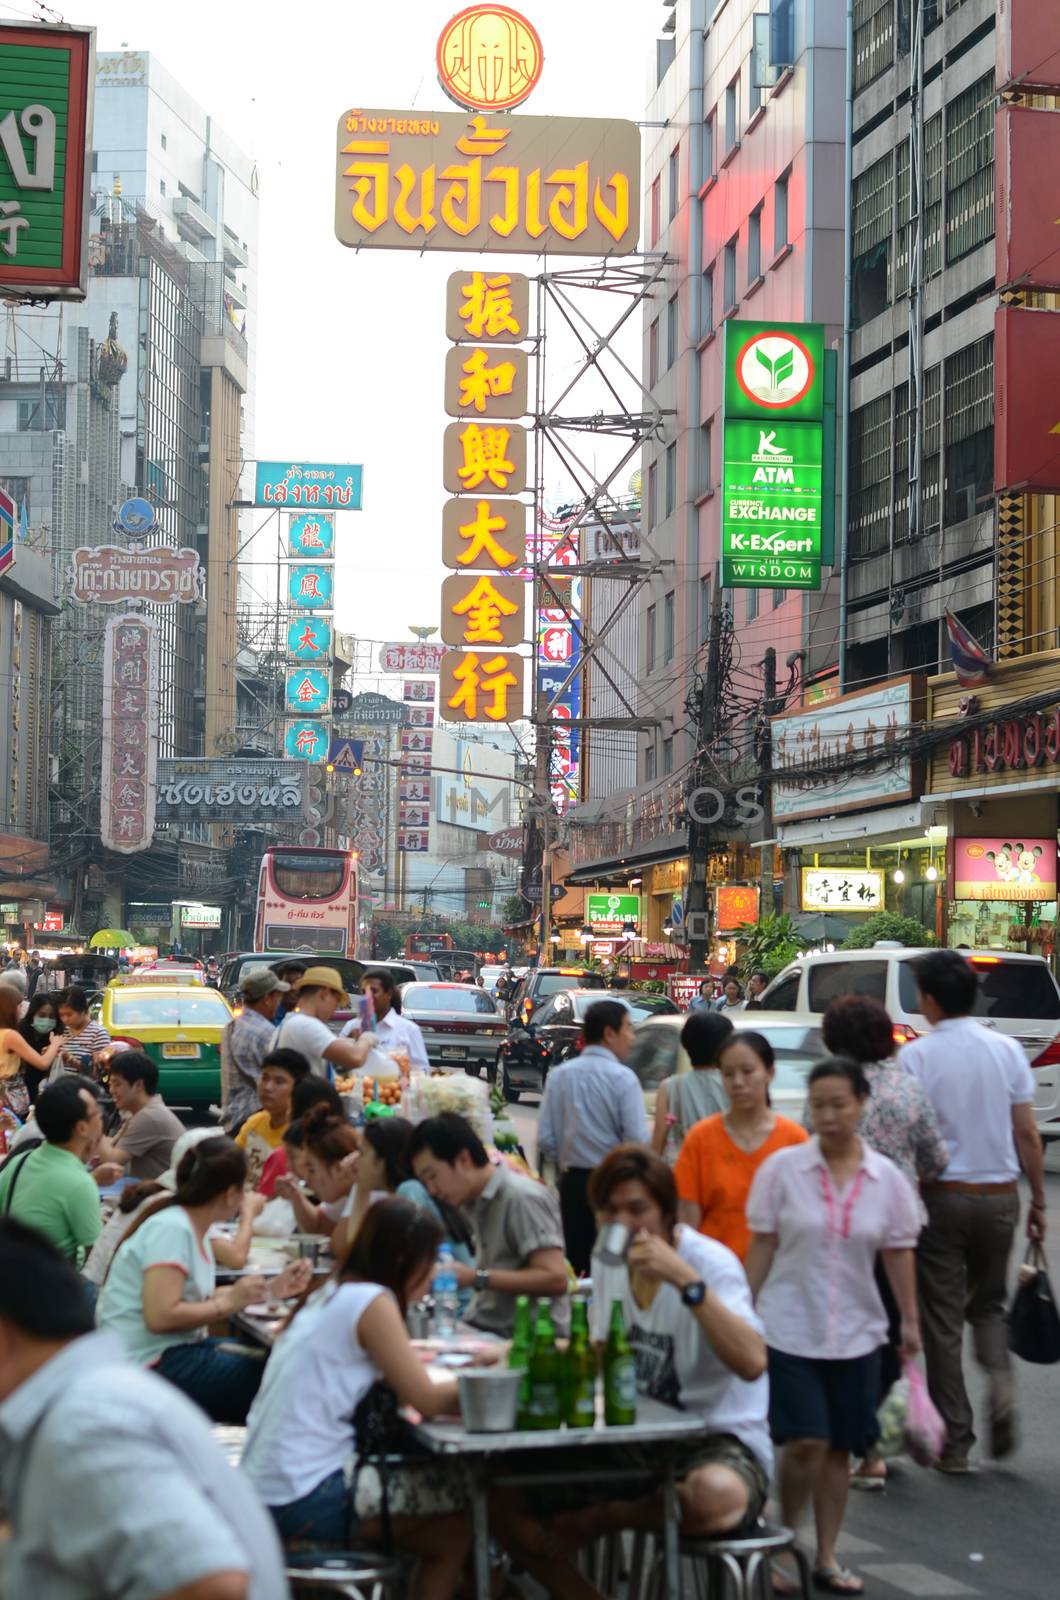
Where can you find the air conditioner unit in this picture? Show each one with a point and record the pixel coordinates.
(697, 925)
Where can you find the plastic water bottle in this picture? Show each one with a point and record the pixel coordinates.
(446, 1297)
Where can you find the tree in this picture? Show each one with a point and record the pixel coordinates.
(886, 925)
(768, 945)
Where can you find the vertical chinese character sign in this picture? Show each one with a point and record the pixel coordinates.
(414, 794)
(47, 74)
(130, 733)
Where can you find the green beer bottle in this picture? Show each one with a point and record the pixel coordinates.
(620, 1373)
(519, 1356)
(579, 1372)
(544, 1407)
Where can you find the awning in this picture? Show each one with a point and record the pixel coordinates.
(632, 865)
(887, 824)
(651, 950)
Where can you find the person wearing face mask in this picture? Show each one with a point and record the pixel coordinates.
(19, 1057)
(38, 1028)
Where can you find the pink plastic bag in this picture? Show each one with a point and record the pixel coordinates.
(925, 1431)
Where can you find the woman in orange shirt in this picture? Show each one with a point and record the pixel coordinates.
(721, 1154)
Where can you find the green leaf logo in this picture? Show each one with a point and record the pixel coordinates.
(778, 370)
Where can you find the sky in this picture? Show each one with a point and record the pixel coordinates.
(351, 345)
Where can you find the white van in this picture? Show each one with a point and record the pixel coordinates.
(1018, 995)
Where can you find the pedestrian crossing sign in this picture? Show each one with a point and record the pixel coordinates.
(346, 755)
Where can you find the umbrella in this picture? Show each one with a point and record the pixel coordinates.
(111, 939)
(821, 925)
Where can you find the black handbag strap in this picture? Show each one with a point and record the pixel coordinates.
(18, 1173)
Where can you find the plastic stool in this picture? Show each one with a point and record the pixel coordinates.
(354, 1574)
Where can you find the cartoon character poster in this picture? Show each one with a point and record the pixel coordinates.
(1004, 869)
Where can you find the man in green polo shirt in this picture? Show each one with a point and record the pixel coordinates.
(50, 1189)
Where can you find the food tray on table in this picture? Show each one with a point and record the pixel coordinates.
(468, 1097)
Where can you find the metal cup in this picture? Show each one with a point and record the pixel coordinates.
(612, 1244)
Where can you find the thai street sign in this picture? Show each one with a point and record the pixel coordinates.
(480, 608)
(520, 185)
(310, 588)
(324, 485)
(309, 639)
(130, 733)
(311, 534)
(308, 690)
(346, 756)
(410, 658)
(484, 534)
(479, 457)
(487, 307)
(376, 710)
(47, 75)
(777, 456)
(107, 575)
(486, 382)
(482, 686)
(235, 789)
(507, 842)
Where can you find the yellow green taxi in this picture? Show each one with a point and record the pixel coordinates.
(177, 1023)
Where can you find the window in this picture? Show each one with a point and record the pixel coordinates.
(730, 274)
(163, 138)
(671, 332)
(732, 115)
(781, 33)
(674, 174)
(95, 161)
(667, 757)
(779, 597)
(969, 431)
(707, 308)
(754, 244)
(649, 763)
(653, 494)
(872, 203)
(870, 476)
(668, 626)
(649, 640)
(706, 464)
(780, 212)
(970, 169)
(709, 164)
(656, 212)
(671, 478)
(653, 354)
(785, 996)
(752, 605)
(31, 419)
(874, 40)
(704, 608)
(932, 226)
(830, 980)
(161, 185)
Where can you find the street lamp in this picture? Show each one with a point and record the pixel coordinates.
(556, 938)
(586, 934)
(668, 929)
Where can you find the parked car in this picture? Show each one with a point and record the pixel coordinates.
(540, 983)
(1018, 995)
(178, 1025)
(796, 1040)
(350, 969)
(460, 1023)
(554, 1034)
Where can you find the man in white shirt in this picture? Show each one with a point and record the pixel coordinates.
(317, 996)
(392, 1030)
(982, 1089)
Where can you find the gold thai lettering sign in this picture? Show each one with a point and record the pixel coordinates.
(485, 383)
(481, 686)
(522, 185)
(480, 457)
(487, 307)
(487, 534)
(479, 608)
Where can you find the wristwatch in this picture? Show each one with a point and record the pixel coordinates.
(482, 1279)
(693, 1294)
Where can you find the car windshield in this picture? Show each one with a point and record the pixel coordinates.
(164, 1008)
(350, 972)
(640, 1005)
(1024, 989)
(427, 997)
(557, 982)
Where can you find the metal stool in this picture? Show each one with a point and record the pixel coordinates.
(733, 1567)
(353, 1574)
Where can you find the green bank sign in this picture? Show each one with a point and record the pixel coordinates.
(778, 462)
(45, 105)
(605, 910)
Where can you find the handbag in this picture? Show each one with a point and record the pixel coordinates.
(381, 1433)
(1033, 1320)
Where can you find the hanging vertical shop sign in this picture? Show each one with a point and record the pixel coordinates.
(310, 588)
(312, 534)
(309, 639)
(480, 457)
(8, 527)
(481, 382)
(778, 468)
(487, 307)
(130, 733)
(414, 791)
(47, 75)
(489, 535)
(306, 740)
(308, 689)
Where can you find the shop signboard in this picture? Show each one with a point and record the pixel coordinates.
(777, 456)
(106, 575)
(410, 658)
(735, 904)
(842, 889)
(130, 733)
(485, 534)
(608, 913)
(479, 457)
(306, 740)
(482, 608)
(489, 58)
(235, 789)
(847, 754)
(311, 533)
(518, 185)
(482, 686)
(487, 307)
(991, 741)
(481, 382)
(372, 710)
(419, 689)
(48, 80)
(200, 916)
(507, 842)
(683, 988)
(309, 639)
(308, 689)
(1004, 869)
(310, 588)
(323, 485)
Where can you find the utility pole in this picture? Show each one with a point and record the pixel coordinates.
(698, 830)
(765, 764)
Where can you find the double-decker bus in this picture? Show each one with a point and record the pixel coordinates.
(307, 900)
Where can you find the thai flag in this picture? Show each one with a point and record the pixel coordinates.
(970, 661)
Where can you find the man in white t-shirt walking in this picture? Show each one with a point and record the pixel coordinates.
(318, 994)
(982, 1089)
(392, 1030)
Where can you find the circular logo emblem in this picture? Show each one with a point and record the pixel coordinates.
(775, 370)
(489, 58)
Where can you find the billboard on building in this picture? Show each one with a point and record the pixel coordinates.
(107, 575)
(1026, 412)
(842, 889)
(130, 733)
(47, 75)
(232, 789)
(847, 754)
(1004, 869)
(326, 485)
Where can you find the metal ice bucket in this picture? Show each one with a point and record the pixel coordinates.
(489, 1398)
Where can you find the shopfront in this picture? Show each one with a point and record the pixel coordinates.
(996, 775)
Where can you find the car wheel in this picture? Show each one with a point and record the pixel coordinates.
(510, 1094)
